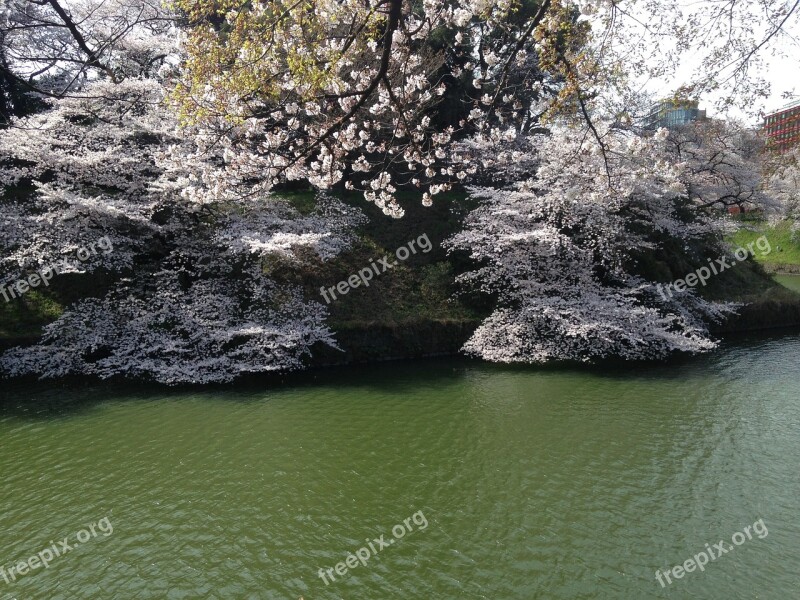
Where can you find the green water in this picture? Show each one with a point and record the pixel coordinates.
(570, 484)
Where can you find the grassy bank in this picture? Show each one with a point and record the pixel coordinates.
(785, 254)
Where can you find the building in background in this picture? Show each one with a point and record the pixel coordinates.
(671, 113)
(782, 127)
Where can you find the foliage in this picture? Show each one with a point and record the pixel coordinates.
(167, 130)
(332, 92)
(211, 328)
(783, 183)
(90, 162)
(723, 165)
(374, 95)
(556, 250)
(54, 48)
(25, 317)
(190, 302)
(728, 44)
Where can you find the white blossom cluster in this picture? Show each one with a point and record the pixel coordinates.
(783, 184)
(89, 160)
(722, 161)
(60, 46)
(279, 231)
(191, 302)
(555, 249)
(365, 119)
(175, 330)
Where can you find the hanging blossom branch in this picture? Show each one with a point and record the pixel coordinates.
(53, 48)
(346, 92)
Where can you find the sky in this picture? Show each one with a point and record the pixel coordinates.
(783, 75)
(780, 60)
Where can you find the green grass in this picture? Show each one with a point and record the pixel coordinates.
(785, 251)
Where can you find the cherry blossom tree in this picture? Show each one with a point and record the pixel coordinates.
(206, 312)
(192, 303)
(54, 48)
(723, 164)
(167, 132)
(557, 251)
(783, 184)
(190, 300)
(702, 48)
(330, 92)
(90, 161)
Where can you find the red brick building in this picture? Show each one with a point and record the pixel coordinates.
(783, 127)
